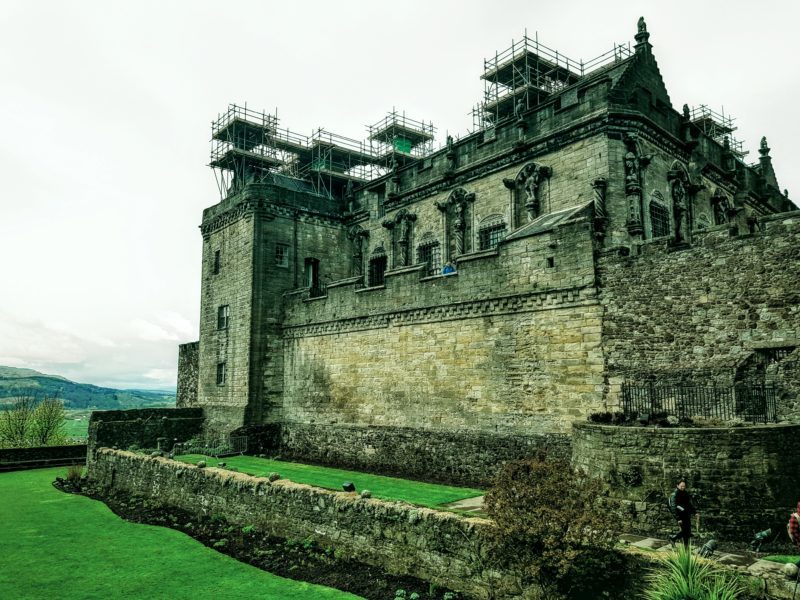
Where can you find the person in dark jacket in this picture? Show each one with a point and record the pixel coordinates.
(680, 503)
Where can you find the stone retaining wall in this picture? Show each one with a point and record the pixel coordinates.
(461, 457)
(441, 547)
(744, 479)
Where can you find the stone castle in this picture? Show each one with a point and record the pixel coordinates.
(602, 243)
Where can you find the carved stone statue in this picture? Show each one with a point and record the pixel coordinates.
(519, 108)
(529, 179)
(686, 114)
(455, 211)
(679, 208)
(358, 236)
(632, 184)
(721, 207)
(450, 154)
(641, 26)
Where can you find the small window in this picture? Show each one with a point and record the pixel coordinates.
(221, 373)
(215, 268)
(381, 205)
(223, 316)
(430, 254)
(490, 235)
(281, 255)
(377, 268)
(551, 262)
(659, 219)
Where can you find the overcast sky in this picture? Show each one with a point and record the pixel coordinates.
(106, 110)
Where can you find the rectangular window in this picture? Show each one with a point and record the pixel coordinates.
(659, 219)
(377, 268)
(551, 262)
(381, 206)
(215, 268)
(223, 316)
(431, 255)
(281, 255)
(489, 237)
(221, 373)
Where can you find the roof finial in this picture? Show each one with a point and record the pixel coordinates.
(641, 37)
(763, 149)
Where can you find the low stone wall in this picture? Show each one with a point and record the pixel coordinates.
(27, 458)
(463, 457)
(444, 548)
(142, 427)
(744, 479)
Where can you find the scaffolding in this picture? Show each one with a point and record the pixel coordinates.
(337, 162)
(527, 73)
(718, 126)
(400, 139)
(248, 145)
(240, 148)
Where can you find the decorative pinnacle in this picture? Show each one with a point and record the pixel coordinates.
(642, 36)
(763, 150)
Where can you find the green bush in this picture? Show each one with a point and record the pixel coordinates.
(552, 527)
(686, 577)
(31, 420)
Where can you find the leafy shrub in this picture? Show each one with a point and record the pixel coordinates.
(686, 577)
(608, 418)
(31, 420)
(552, 527)
(600, 417)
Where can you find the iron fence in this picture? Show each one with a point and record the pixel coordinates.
(216, 446)
(752, 403)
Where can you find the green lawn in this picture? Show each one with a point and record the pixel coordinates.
(56, 545)
(784, 558)
(387, 488)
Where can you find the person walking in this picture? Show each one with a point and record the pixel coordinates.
(793, 527)
(682, 508)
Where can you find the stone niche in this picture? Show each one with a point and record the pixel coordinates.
(743, 479)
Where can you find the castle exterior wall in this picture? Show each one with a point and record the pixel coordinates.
(700, 312)
(186, 393)
(231, 285)
(742, 479)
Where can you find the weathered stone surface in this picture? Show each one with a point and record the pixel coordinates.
(441, 547)
(742, 479)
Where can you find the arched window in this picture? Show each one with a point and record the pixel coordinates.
(491, 230)
(430, 253)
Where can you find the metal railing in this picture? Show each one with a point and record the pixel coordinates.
(752, 403)
(215, 446)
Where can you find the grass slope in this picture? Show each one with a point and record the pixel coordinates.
(386, 488)
(14, 381)
(56, 545)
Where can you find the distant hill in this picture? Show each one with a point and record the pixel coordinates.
(14, 381)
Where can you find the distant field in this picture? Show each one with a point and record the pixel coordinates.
(387, 488)
(57, 545)
(76, 423)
